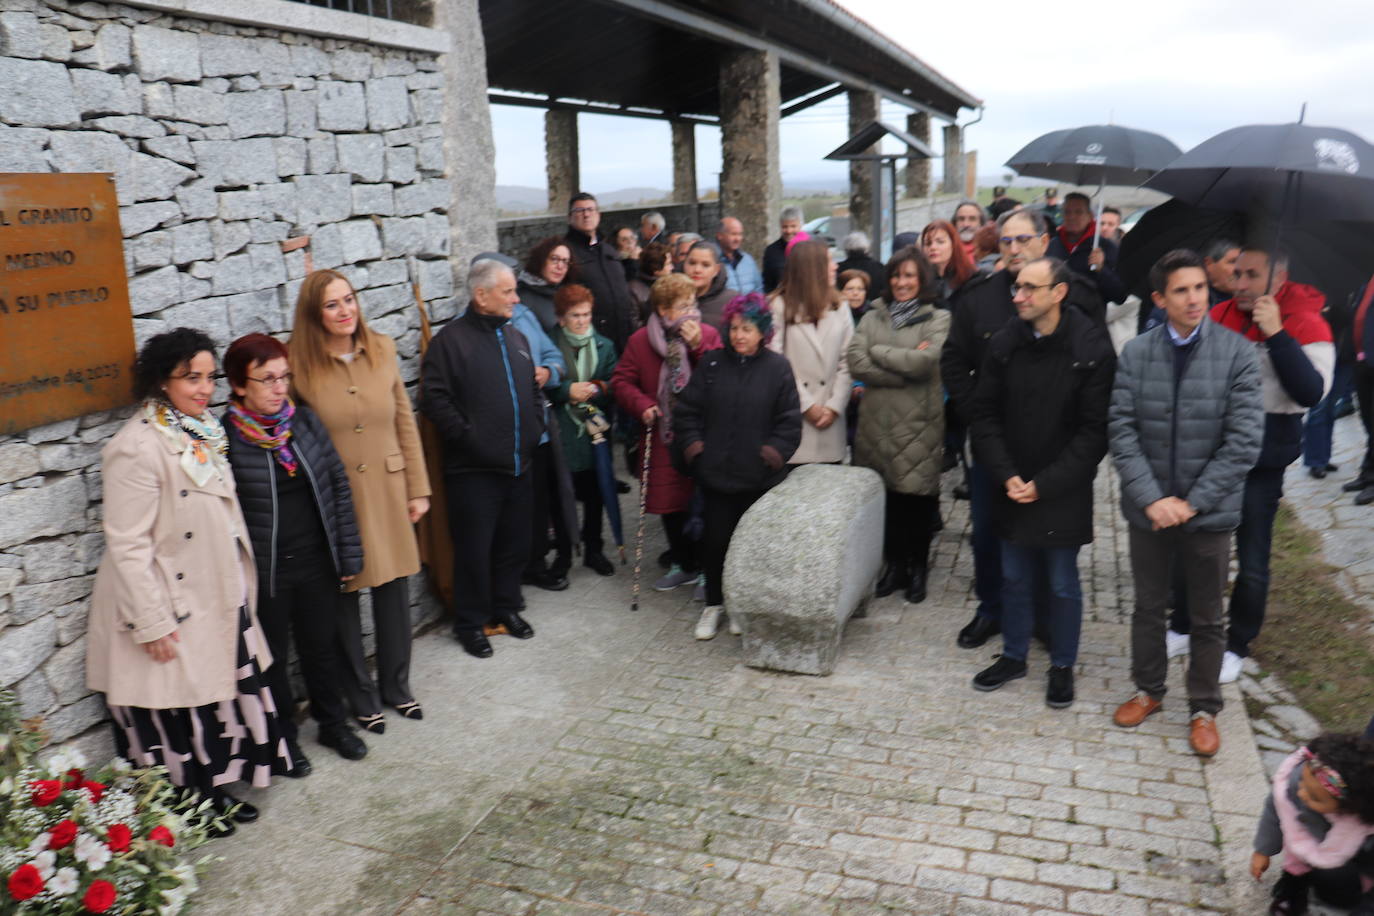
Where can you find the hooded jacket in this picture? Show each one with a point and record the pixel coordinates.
(1296, 366)
(734, 405)
(1040, 413)
(478, 390)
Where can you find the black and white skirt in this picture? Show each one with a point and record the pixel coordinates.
(206, 747)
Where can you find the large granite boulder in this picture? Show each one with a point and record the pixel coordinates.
(803, 560)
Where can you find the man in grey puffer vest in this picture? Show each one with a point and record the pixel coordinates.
(1185, 424)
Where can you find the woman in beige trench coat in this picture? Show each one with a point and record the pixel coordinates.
(172, 638)
(349, 375)
(814, 333)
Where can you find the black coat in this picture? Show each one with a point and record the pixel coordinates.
(255, 478)
(1108, 284)
(877, 274)
(536, 294)
(603, 273)
(1040, 413)
(735, 405)
(478, 389)
(774, 260)
(982, 307)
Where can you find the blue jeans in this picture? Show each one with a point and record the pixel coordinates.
(1059, 566)
(987, 547)
(1316, 432)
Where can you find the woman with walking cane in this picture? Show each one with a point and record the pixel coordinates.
(657, 364)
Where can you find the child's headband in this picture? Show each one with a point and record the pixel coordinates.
(1330, 780)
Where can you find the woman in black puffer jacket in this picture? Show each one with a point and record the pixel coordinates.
(299, 511)
(735, 425)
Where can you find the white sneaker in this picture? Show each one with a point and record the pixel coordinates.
(709, 624)
(1175, 644)
(735, 628)
(1231, 663)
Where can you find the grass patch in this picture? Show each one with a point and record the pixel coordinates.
(1316, 639)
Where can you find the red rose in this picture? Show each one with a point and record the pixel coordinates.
(97, 790)
(100, 896)
(45, 791)
(118, 838)
(73, 780)
(25, 882)
(63, 832)
(162, 835)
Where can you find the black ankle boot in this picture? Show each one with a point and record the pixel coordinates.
(1290, 895)
(916, 589)
(894, 577)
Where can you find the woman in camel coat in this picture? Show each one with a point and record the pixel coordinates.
(348, 374)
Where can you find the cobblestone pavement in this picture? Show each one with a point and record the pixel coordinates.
(616, 765)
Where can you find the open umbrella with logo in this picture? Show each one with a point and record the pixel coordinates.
(1100, 154)
(1298, 178)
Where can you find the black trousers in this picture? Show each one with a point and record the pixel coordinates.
(306, 602)
(489, 519)
(588, 493)
(544, 492)
(1364, 397)
(391, 629)
(909, 526)
(722, 512)
(682, 548)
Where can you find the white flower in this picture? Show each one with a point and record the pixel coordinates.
(91, 851)
(66, 759)
(39, 844)
(176, 899)
(185, 872)
(7, 784)
(44, 862)
(65, 882)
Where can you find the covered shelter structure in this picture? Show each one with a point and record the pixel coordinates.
(742, 66)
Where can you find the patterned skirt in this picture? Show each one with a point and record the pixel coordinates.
(206, 747)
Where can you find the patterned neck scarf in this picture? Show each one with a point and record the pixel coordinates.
(666, 340)
(904, 313)
(270, 432)
(204, 447)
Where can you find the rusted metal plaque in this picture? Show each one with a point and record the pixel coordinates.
(66, 332)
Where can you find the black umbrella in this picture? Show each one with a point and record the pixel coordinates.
(1334, 256)
(1293, 173)
(1099, 153)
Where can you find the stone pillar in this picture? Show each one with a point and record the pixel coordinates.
(918, 169)
(750, 181)
(953, 182)
(684, 162)
(469, 150)
(863, 108)
(560, 157)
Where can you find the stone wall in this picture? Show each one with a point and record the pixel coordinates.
(517, 235)
(224, 141)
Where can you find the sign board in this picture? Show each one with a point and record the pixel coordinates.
(66, 332)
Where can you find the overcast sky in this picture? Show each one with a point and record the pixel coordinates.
(1184, 69)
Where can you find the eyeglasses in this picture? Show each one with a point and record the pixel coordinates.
(1018, 239)
(554, 259)
(272, 381)
(1028, 288)
(577, 211)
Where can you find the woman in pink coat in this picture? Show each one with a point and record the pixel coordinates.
(656, 365)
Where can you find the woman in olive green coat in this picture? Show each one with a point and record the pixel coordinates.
(583, 398)
(895, 352)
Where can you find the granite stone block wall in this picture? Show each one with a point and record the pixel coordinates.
(224, 141)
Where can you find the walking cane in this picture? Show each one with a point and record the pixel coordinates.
(639, 536)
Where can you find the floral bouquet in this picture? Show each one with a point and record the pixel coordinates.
(74, 840)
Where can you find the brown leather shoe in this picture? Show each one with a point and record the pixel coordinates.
(1202, 734)
(1135, 710)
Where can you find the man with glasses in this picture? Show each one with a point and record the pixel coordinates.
(1039, 431)
(599, 270)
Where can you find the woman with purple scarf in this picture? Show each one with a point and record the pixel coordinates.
(656, 366)
(299, 512)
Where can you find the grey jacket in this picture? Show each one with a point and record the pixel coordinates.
(1197, 442)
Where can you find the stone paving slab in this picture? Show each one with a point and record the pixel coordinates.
(616, 765)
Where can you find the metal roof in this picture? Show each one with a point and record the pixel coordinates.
(863, 145)
(662, 57)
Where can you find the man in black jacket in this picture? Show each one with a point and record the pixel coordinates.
(1040, 430)
(600, 270)
(479, 390)
(775, 255)
(1073, 243)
